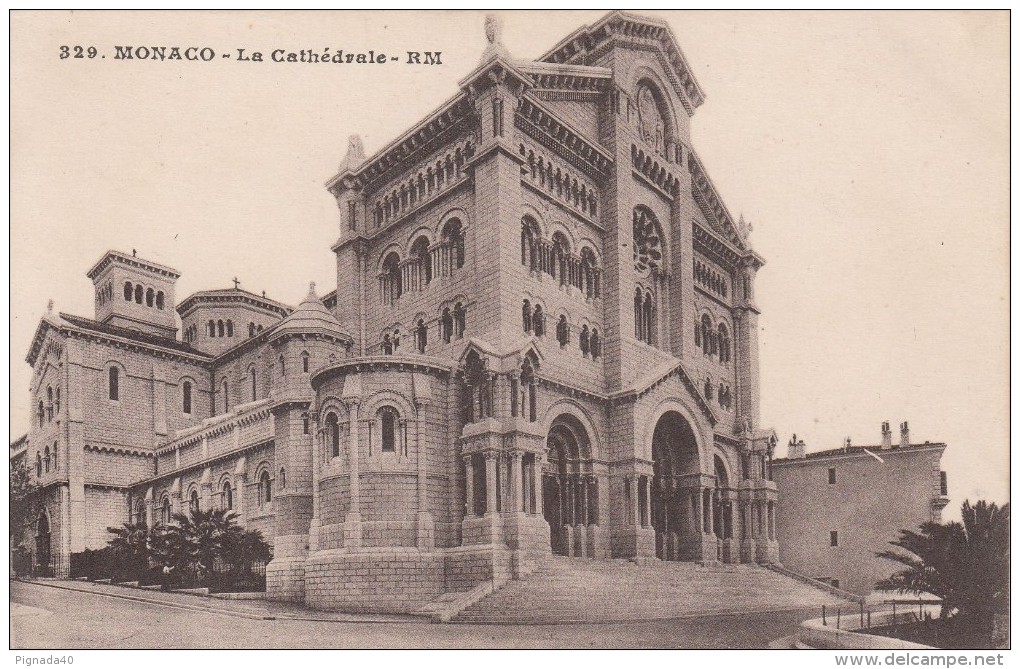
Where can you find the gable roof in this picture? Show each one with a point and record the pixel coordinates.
(588, 42)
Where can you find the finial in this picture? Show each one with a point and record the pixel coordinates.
(49, 307)
(744, 229)
(355, 154)
(494, 35)
(237, 283)
(134, 253)
(263, 293)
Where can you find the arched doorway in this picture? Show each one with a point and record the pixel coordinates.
(42, 546)
(676, 488)
(569, 490)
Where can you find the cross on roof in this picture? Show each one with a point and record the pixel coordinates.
(237, 283)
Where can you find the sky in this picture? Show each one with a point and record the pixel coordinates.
(870, 151)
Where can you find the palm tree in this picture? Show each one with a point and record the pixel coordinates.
(207, 534)
(965, 564)
(130, 548)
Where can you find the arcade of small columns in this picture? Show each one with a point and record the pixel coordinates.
(349, 439)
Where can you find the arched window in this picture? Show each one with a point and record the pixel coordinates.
(56, 403)
(228, 496)
(390, 280)
(128, 291)
(420, 252)
(41, 413)
(387, 345)
(251, 329)
(212, 328)
(150, 297)
(562, 331)
(283, 366)
(388, 423)
(648, 312)
(230, 328)
(453, 237)
(265, 489)
(589, 278)
(283, 478)
(226, 397)
(193, 505)
(46, 459)
(304, 361)
(529, 243)
(186, 397)
(306, 426)
(561, 257)
(138, 294)
(333, 434)
(538, 321)
(421, 336)
(165, 511)
(724, 344)
(596, 344)
(49, 404)
(38, 465)
(639, 323)
(529, 393)
(459, 320)
(706, 334)
(258, 329)
(526, 316)
(219, 328)
(54, 456)
(160, 300)
(114, 384)
(446, 325)
(585, 340)
(254, 383)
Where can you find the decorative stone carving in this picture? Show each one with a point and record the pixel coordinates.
(650, 121)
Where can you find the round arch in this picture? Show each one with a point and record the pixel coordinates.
(673, 405)
(371, 405)
(566, 407)
(456, 212)
(644, 75)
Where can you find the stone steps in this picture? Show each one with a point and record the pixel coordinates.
(582, 590)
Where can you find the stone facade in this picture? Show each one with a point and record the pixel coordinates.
(543, 340)
(842, 506)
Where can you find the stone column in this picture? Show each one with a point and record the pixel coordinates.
(515, 481)
(469, 487)
(634, 516)
(352, 522)
(490, 483)
(206, 496)
(318, 447)
(584, 501)
(698, 514)
(536, 481)
(648, 501)
(708, 511)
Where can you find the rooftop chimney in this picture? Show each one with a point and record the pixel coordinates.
(904, 434)
(886, 436)
(795, 449)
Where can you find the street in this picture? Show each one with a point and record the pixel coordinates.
(51, 618)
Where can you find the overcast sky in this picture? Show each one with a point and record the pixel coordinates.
(870, 151)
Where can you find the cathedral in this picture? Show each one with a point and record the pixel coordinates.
(542, 341)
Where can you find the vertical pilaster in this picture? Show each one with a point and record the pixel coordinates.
(490, 483)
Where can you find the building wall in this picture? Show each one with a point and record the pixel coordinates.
(868, 505)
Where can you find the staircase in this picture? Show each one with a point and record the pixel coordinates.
(566, 590)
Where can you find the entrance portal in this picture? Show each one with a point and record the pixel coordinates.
(42, 547)
(676, 489)
(569, 490)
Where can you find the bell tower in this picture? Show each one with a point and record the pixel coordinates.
(134, 293)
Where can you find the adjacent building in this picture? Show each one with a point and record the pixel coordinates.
(841, 506)
(543, 340)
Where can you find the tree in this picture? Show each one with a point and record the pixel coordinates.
(245, 548)
(206, 535)
(965, 564)
(130, 548)
(24, 507)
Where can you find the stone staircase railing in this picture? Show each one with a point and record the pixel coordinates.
(832, 590)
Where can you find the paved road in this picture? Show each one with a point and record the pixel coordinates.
(43, 617)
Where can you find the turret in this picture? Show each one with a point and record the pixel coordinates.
(134, 293)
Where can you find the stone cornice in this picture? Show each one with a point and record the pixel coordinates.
(707, 197)
(201, 464)
(545, 127)
(408, 148)
(588, 42)
(271, 306)
(197, 358)
(118, 450)
(715, 249)
(111, 257)
(411, 363)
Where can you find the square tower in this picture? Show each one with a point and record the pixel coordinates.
(135, 294)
